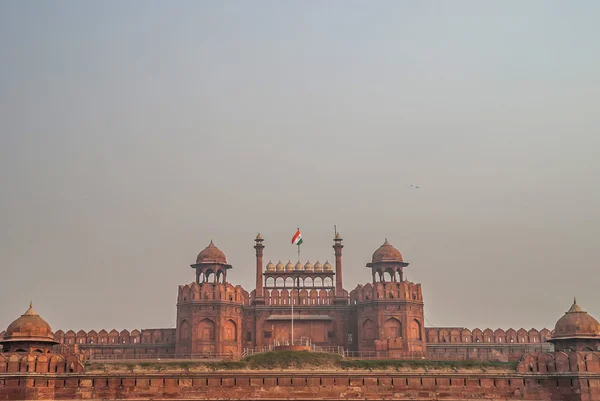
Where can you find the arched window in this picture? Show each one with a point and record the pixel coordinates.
(368, 330)
(392, 328)
(415, 327)
(206, 330)
(230, 331)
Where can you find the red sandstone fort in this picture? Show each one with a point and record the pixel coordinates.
(382, 319)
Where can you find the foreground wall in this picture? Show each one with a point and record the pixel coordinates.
(306, 385)
(548, 376)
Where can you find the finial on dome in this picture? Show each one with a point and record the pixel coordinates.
(30, 304)
(385, 240)
(574, 301)
(211, 243)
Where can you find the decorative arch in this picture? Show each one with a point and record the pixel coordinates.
(206, 330)
(415, 328)
(392, 328)
(230, 331)
(368, 329)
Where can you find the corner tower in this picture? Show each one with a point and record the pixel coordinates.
(576, 331)
(29, 333)
(209, 310)
(389, 312)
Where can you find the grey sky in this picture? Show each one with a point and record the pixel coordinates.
(131, 133)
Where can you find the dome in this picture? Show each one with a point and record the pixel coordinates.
(289, 266)
(308, 266)
(270, 267)
(211, 254)
(279, 266)
(576, 323)
(387, 253)
(298, 266)
(29, 327)
(318, 267)
(327, 266)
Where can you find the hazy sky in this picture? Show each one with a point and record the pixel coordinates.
(132, 133)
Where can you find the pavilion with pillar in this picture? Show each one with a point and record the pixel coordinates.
(305, 302)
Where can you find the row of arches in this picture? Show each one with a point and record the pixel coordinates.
(211, 275)
(392, 329)
(389, 274)
(153, 336)
(206, 331)
(39, 363)
(306, 297)
(509, 336)
(306, 282)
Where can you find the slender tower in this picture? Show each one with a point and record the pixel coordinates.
(337, 246)
(258, 297)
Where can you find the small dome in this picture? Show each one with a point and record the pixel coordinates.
(576, 323)
(308, 266)
(318, 267)
(258, 236)
(279, 267)
(211, 254)
(30, 326)
(289, 267)
(298, 266)
(387, 253)
(270, 267)
(327, 266)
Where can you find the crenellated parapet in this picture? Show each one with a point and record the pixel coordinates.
(391, 290)
(113, 337)
(206, 292)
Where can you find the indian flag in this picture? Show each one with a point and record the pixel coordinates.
(297, 238)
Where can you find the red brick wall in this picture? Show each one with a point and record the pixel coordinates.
(364, 385)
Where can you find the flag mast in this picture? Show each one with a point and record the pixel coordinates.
(297, 237)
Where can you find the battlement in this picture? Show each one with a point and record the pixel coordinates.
(455, 335)
(212, 292)
(392, 290)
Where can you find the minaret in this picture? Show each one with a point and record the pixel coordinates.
(337, 246)
(258, 298)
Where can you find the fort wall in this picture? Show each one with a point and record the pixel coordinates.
(556, 376)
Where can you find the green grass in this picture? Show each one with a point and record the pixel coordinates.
(302, 360)
(425, 364)
(292, 360)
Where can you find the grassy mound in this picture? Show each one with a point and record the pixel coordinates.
(293, 360)
(299, 360)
